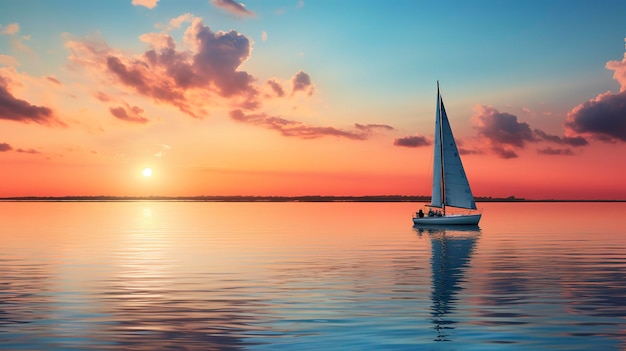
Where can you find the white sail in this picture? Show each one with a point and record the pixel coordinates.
(437, 195)
(450, 185)
(456, 187)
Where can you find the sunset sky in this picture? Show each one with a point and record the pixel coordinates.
(308, 97)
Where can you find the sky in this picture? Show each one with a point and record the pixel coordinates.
(291, 98)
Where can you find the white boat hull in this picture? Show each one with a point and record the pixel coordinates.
(455, 219)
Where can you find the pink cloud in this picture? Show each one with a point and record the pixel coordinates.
(145, 3)
(291, 128)
(7, 60)
(14, 109)
(128, 113)
(11, 29)
(232, 7)
(619, 68)
(189, 79)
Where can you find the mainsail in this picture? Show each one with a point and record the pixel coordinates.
(450, 185)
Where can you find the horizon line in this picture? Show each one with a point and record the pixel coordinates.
(280, 198)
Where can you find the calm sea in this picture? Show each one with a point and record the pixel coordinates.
(309, 276)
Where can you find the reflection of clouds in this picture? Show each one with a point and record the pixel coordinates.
(452, 249)
(26, 304)
(597, 282)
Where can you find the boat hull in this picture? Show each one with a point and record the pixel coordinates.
(460, 219)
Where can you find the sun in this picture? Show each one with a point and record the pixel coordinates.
(147, 172)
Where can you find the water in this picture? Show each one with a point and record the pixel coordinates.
(309, 276)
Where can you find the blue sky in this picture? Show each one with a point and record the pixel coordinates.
(369, 70)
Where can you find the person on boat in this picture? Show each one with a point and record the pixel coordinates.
(420, 213)
(431, 213)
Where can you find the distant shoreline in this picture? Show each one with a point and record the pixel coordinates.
(314, 198)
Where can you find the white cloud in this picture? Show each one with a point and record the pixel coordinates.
(146, 3)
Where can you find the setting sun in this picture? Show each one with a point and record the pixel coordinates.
(147, 172)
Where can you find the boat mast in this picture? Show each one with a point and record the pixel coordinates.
(443, 180)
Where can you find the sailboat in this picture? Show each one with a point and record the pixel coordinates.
(452, 201)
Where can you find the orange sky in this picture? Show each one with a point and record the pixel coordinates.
(264, 100)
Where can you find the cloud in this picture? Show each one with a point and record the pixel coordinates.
(603, 117)
(503, 152)
(412, 141)
(276, 87)
(301, 81)
(291, 128)
(501, 128)
(162, 151)
(565, 140)
(370, 128)
(53, 80)
(504, 133)
(11, 29)
(5, 147)
(619, 68)
(17, 42)
(233, 7)
(178, 21)
(7, 60)
(189, 79)
(28, 151)
(146, 3)
(129, 114)
(103, 96)
(264, 36)
(14, 109)
(551, 151)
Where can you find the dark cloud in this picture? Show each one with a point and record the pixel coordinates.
(232, 7)
(504, 152)
(28, 151)
(129, 114)
(5, 147)
(218, 59)
(565, 140)
(464, 151)
(130, 76)
(559, 152)
(301, 81)
(276, 87)
(412, 141)
(504, 133)
(603, 117)
(502, 128)
(291, 128)
(19, 110)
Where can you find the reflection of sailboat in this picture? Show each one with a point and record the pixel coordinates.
(452, 250)
(450, 185)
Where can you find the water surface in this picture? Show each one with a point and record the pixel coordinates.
(309, 276)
